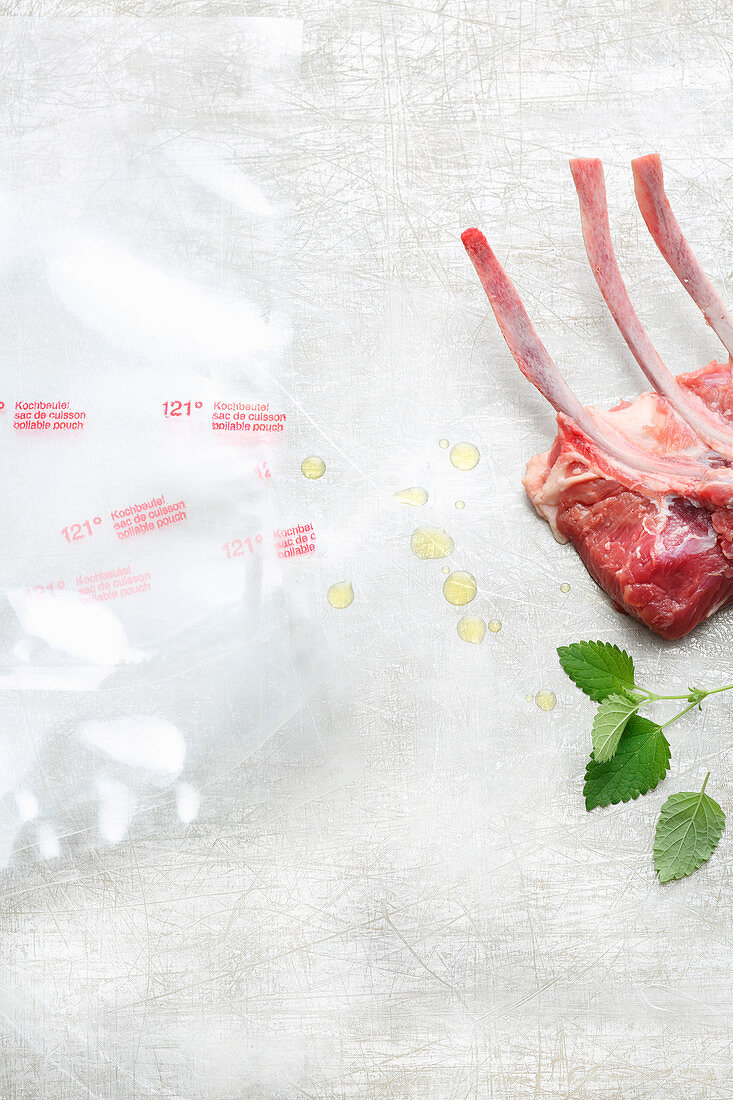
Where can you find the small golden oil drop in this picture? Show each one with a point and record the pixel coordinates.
(565, 587)
(313, 467)
(460, 504)
(459, 588)
(444, 443)
(431, 542)
(472, 628)
(341, 595)
(545, 700)
(415, 496)
(494, 625)
(445, 569)
(465, 456)
(529, 698)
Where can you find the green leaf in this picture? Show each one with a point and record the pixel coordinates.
(608, 725)
(640, 761)
(598, 668)
(689, 828)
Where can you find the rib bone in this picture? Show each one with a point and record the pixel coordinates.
(665, 229)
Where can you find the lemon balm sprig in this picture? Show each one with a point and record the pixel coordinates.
(631, 754)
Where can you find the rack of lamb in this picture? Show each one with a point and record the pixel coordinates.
(644, 492)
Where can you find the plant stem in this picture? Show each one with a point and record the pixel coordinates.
(681, 714)
(705, 783)
(714, 691)
(652, 697)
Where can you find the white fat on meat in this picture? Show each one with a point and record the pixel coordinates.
(649, 421)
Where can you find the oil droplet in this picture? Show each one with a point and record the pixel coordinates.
(565, 587)
(459, 588)
(431, 542)
(444, 443)
(529, 698)
(414, 496)
(445, 569)
(472, 629)
(465, 456)
(341, 595)
(460, 504)
(494, 625)
(545, 700)
(313, 467)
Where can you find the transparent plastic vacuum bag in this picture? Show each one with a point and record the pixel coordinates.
(152, 629)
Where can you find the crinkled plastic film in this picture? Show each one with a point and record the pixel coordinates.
(154, 630)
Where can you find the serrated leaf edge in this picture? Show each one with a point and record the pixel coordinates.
(633, 797)
(566, 655)
(619, 729)
(716, 833)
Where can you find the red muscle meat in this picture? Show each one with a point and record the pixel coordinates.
(644, 492)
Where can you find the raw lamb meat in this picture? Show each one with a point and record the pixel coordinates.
(645, 491)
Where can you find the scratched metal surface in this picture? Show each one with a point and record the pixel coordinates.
(392, 888)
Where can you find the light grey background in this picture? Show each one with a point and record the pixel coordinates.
(392, 888)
